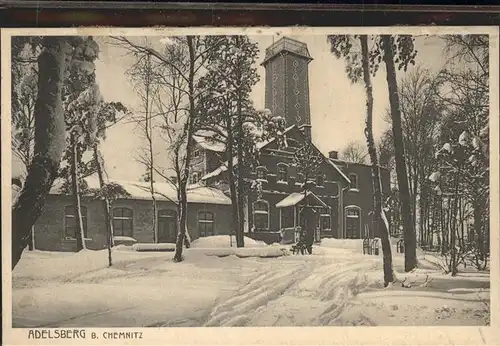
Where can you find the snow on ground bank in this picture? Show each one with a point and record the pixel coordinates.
(224, 241)
(154, 247)
(337, 285)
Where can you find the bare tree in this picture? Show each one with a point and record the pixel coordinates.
(354, 152)
(143, 77)
(189, 69)
(421, 110)
(361, 67)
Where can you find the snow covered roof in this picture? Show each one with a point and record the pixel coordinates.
(163, 191)
(295, 197)
(203, 138)
(222, 168)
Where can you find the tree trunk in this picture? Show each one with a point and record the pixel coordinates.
(31, 239)
(183, 174)
(422, 218)
(75, 187)
(106, 204)
(478, 229)
(410, 240)
(182, 209)
(240, 238)
(149, 136)
(232, 183)
(453, 224)
(382, 228)
(49, 143)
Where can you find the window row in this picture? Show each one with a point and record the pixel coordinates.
(123, 221)
(282, 175)
(261, 217)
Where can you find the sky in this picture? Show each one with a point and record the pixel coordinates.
(337, 106)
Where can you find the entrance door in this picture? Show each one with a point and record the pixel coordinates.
(353, 223)
(308, 220)
(167, 226)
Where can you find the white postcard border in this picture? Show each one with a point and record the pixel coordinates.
(265, 336)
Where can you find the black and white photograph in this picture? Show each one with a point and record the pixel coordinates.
(250, 178)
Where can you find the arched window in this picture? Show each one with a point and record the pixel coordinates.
(260, 211)
(282, 172)
(123, 222)
(354, 181)
(70, 227)
(205, 223)
(261, 173)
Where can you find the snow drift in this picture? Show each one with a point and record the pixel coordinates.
(154, 247)
(224, 241)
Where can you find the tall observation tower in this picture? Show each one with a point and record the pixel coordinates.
(287, 82)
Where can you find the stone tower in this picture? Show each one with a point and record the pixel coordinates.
(287, 82)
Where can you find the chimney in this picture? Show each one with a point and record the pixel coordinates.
(334, 155)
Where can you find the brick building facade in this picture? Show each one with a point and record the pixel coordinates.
(132, 217)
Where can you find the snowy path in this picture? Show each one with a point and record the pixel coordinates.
(334, 286)
(308, 292)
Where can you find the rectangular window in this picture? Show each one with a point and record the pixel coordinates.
(122, 222)
(325, 221)
(70, 227)
(320, 180)
(205, 223)
(282, 172)
(354, 181)
(261, 215)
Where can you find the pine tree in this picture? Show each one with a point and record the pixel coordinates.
(228, 114)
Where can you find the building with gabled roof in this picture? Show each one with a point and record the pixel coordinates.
(341, 195)
(337, 202)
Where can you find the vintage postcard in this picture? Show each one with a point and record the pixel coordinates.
(312, 181)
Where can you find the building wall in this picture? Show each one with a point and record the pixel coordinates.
(49, 228)
(363, 196)
(274, 191)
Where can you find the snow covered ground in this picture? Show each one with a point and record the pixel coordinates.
(337, 285)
